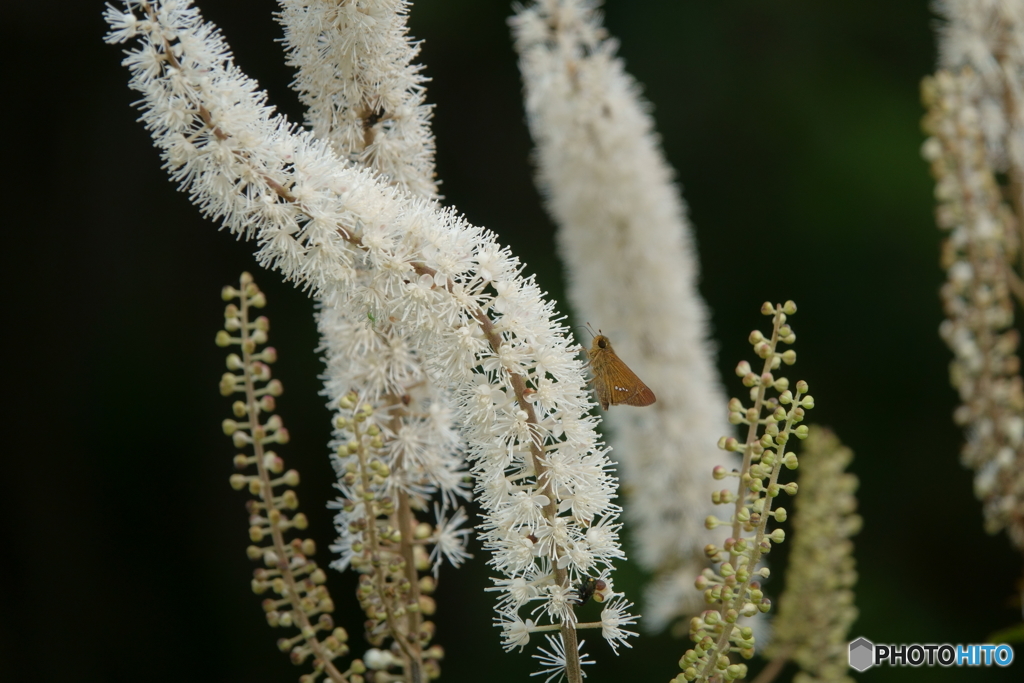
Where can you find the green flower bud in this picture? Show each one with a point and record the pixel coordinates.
(790, 461)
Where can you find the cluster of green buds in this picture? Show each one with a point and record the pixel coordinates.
(817, 608)
(979, 256)
(381, 539)
(288, 571)
(733, 591)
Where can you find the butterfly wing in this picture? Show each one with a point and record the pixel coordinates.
(614, 382)
(625, 387)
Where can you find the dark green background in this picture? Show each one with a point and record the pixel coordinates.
(794, 127)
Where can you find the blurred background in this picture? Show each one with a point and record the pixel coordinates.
(794, 129)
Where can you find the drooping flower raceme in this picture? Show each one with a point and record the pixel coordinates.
(627, 246)
(356, 77)
(395, 439)
(976, 151)
(988, 37)
(978, 255)
(486, 332)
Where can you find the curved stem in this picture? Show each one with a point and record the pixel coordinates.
(412, 653)
(773, 669)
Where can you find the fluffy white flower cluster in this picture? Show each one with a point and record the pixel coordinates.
(626, 243)
(418, 444)
(362, 91)
(485, 332)
(988, 36)
(365, 99)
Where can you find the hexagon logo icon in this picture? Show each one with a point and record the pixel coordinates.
(862, 654)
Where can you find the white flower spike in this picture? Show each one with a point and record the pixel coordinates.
(628, 251)
(373, 249)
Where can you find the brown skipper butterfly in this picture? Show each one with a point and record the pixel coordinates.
(614, 383)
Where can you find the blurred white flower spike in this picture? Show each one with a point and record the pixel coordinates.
(630, 262)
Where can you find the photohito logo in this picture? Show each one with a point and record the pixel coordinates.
(864, 654)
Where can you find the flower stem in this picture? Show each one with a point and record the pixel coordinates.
(413, 656)
(772, 670)
(742, 495)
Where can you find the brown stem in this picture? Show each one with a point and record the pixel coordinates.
(404, 523)
(1015, 188)
(413, 617)
(769, 672)
(412, 654)
(1016, 284)
(1011, 107)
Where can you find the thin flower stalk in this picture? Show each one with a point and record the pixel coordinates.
(289, 571)
(628, 250)
(817, 607)
(733, 591)
(487, 333)
(978, 255)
